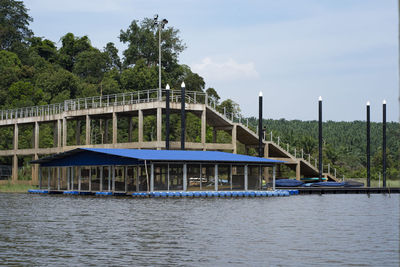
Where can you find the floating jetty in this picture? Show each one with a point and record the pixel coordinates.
(176, 194)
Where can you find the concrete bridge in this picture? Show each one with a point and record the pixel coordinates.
(112, 108)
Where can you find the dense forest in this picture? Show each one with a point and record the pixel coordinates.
(34, 71)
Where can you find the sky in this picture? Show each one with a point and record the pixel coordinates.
(292, 50)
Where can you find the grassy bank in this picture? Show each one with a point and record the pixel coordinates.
(15, 188)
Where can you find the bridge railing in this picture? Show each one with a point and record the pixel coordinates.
(144, 96)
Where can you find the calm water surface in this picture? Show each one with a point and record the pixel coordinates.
(328, 230)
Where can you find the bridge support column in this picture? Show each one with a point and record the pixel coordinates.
(140, 127)
(87, 130)
(234, 137)
(159, 127)
(130, 130)
(35, 170)
(114, 128)
(59, 133)
(298, 170)
(203, 129)
(64, 129)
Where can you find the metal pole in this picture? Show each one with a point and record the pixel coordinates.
(183, 116)
(368, 147)
(384, 144)
(320, 137)
(273, 177)
(167, 118)
(260, 131)
(159, 61)
(216, 177)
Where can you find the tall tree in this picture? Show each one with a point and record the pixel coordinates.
(71, 47)
(14, 21)
(142, 40)
(113, 60)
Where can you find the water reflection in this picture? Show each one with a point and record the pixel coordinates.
(299, 230)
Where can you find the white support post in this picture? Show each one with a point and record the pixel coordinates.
(184, 177)
(230, 175)
(58, 178)
(109, 178)
(216, 177)
(79, 178)
(113, 178)
(126, 178)
(90, 179)
(101, 179)
(48, 178)
(151, 177)
(246, 178)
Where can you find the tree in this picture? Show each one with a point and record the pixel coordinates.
(71, 47)
(44, 48)
(140, 77)
(142, 40)
(90, 65)
(23, 94)
(230, 106)
(10, 72)
(14, 21)
(113, 60)
(213, 95)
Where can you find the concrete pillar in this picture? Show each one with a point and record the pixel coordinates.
(159, 127)
(15, 142)
(87, 130)
(151, 177)
(64, 129)
(184, 177)
(35, 171)
(234, 138)
(266, 169)
(14, 175)
(246, 178)
(216, 177)
(55, 134)
(78, 132)
(59, 144)
(140, 127)
(114, 128)
(298, 170)
(36, 135)
(203, 129)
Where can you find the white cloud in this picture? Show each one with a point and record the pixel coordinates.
(225, 71)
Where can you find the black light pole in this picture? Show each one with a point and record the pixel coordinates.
(320, 137)
(384, 144)
(260, 130)
(183, 118)
(368, 147)
(167, 117)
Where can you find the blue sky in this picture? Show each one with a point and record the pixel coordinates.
(292, 51)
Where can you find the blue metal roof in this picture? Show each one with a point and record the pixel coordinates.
(110, 156)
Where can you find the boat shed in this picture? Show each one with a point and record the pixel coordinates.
(133, 170)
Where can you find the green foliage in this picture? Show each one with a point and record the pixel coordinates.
(14, 21)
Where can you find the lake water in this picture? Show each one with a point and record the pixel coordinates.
(327, 230)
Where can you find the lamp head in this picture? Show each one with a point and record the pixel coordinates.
(320, 98)
(384, 102)
(167, 87)
(183, 84)
(368, 103)
(260, 94)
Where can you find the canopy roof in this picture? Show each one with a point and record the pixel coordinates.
(111, 156)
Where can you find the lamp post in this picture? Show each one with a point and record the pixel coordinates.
(160, 24)
(260, 131)
(384, 143)
(183, 116)
(320, 137)
(167, 117)
(368, 147)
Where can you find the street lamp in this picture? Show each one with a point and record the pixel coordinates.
(160, 24)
